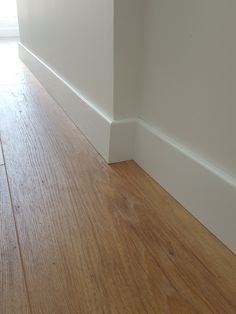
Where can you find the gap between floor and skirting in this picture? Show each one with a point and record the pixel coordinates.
(207, 192)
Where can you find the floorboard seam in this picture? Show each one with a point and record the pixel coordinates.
(16, 229)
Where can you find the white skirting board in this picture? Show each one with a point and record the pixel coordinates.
(207, 193)
(93, 123)
(122, 140)
(110, 138)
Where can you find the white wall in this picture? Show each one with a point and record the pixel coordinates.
(190, 76)
(75, 39)
(128, 56)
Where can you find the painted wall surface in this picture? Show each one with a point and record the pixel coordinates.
(190, 76)
(75, 38)
(128, 56)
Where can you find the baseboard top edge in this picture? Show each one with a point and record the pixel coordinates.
(104, 115)
(187, 152)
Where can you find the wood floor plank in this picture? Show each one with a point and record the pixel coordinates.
(13, 296)
(186, 235)
(97, 238)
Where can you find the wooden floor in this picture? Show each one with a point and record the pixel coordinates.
(80, 236)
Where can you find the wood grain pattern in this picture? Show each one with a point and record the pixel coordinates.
(13, 297)
(190, 239)
(97, 238)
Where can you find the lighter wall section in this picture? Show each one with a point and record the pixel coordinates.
(75, 39)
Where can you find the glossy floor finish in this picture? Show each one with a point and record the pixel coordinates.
(80, 236)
